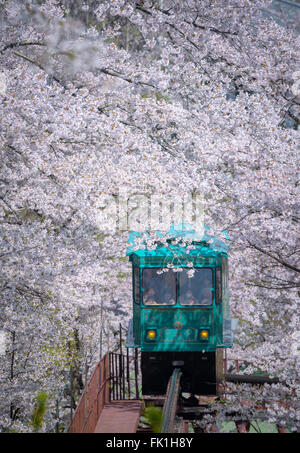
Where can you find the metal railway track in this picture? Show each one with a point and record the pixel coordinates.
(170, 406)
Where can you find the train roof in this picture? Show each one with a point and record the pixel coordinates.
(178, 242)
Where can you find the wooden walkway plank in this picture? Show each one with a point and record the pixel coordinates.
(120, 417)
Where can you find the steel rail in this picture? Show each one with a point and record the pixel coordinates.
(170, 405)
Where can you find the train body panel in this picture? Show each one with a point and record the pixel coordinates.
(178, 329)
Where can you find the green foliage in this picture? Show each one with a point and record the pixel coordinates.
(154, 417)
(39, 411)
(100, 236)
(157, 95)
(122, 275)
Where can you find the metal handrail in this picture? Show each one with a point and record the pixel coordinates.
(107, 383)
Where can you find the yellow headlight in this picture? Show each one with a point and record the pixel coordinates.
(204, 334)
(151, 334)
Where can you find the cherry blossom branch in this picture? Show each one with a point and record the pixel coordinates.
(114, 73)
(281, 261)
(21, 44)
(18, 54)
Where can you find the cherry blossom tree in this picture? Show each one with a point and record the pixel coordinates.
(159, 97)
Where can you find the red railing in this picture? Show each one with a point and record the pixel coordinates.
(235, 364)
(115, 377)
(95, 395)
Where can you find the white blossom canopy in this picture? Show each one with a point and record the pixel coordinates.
(159, 97)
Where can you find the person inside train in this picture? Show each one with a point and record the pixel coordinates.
(150, 297)
(160, 289)
(206, 295)
(167, 298)
(189, 298)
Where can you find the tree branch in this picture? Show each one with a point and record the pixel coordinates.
(21, 44)
(281, 261)
(18, 54)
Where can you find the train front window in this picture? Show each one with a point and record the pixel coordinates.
(196, 290)
(159, 288)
